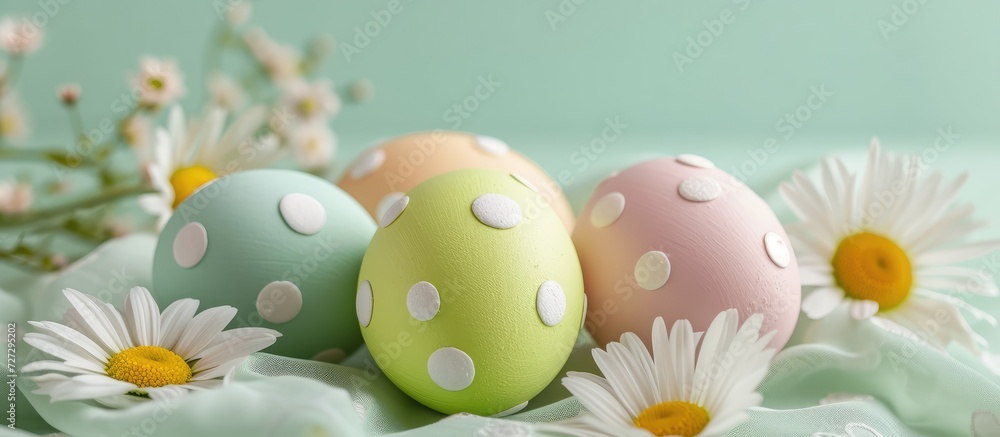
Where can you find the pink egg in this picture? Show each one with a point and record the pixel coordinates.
(681, 239)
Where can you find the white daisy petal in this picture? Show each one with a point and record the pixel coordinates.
(142, 317)
(714, 344)
(88, 387)
(958, 254)
(959, 303)
(598, 401)
(70, 353)
(234, 348)
(218, 371)
(166, 392)
(683, 344)
(174, 319)
(863, 309)
(821, 302)
(203, 329)
(58, 366)
(106, 330)
(72, 337)
(913, 313)
(820, 275)
(622, 383)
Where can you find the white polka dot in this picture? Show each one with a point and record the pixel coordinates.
(364, 303)
(512, 410)
(368, 163)
(583, 319)
(332, 356)
(524, 182)
(423, 301)
(279, 302)
(492, 145)
(700, 189)
(652, 270)
(190, 245)
(303, 213)
(387, 201)
(451, 369)
(497, 211)
(607, 210)
(550, 302)
(394, 211)
(777, 249)
(695, 161)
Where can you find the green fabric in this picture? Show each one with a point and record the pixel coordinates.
(916, 390)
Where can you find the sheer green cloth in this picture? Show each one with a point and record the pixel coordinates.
(837, 377)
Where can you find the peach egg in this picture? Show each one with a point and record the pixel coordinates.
(387, 171)
(682, 239)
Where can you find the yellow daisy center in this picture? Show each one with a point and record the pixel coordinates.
(155, 83)
(187, 180)
(149, 366)
(673, 418)
(8, 125)
(307, 106)
(871, 267)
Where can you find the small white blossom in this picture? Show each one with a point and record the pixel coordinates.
(158, 82)
(15, 197)
(20, 36)
(312, 145)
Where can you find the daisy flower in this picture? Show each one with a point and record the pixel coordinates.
(680, 390)
(15, 197)
(190, 155)
(137, 132)
(121, 359)
(158, 82)
(20, 36)
(69, 93)
(312, 145)
(884, 242)
(281, 62)
(238, 12)
(310, 101)
(225, 92)
(13, 119)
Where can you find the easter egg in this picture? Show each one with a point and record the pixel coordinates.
(282, 247)
(681, 239)
(383, 173)
(467, 302)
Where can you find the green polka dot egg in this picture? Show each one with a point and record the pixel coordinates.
(283, 247)
(465, 302)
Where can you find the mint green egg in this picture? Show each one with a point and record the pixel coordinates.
(282, 247)
(471, 296)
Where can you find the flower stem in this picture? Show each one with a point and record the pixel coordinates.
(55, 211)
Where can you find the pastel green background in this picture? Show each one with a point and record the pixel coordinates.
(605, 60)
